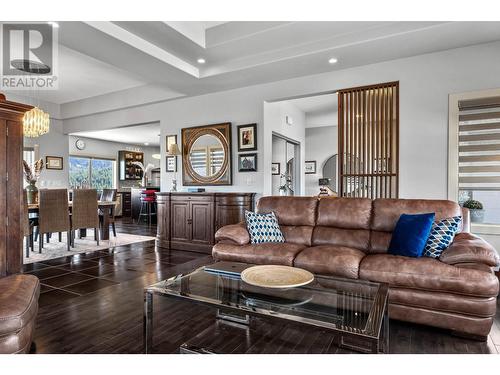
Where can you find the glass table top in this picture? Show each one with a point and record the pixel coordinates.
(347, 305)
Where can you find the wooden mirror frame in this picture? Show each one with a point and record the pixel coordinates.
(189, 136)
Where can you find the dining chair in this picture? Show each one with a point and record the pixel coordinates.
(108, 195)
(84, 213)
(27, 226)
(53, 215)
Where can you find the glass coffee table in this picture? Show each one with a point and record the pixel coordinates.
(356, 311)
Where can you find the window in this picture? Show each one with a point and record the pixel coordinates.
(479, 154)
(91, 172)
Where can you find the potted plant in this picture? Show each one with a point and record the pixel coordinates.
(476, 210)
(31, 175)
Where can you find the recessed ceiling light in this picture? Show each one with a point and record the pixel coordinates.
(146, 143)
(333, 60)
(53, 24)
(201, 61)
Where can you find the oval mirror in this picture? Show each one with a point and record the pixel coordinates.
(206, 155)
(330, 172)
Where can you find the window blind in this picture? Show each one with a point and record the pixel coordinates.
(479, 144)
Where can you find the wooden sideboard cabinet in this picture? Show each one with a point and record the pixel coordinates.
(188, 221)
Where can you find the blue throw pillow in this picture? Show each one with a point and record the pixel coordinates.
(441, 236)
(263, 227)
(411, 234)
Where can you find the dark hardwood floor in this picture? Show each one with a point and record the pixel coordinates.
(93, 303)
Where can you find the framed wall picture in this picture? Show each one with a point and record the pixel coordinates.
(247, 162)
(275, 169)
(171, 164)
(310, 167)
(170, 140)
(247, 137)
(54, 162)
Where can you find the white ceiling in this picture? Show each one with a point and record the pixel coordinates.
(320, 110)
(136, 135)
(97, 58)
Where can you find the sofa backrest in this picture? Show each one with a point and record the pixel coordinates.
(386, 212)
(343, 222)
(296, 216)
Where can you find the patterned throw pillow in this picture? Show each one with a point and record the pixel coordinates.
(263, 227)
(442, 234)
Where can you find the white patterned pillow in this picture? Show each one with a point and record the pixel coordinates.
(442, 234)
(263, 227)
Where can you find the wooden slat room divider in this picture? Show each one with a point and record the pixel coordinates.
(368, 127)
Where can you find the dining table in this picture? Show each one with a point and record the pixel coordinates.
(106, 209)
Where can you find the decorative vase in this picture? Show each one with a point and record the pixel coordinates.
(32, 193)
(476, 216)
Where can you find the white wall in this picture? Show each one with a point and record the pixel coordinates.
(279, 156)
(54, 143)
(321, 143)
(425, 83)
(275, 123)
(109, 150)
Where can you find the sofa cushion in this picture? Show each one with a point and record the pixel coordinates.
(427, 274)
(410, 235)
(348, 213)
(18, 302)
(265, 253)
(356, 238)
(330, 260)
(290, 210)
(386, 212)
(301, 234)
(442, 301)
(263, 228)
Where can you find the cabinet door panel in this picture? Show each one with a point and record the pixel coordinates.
(202, 222)
(179, 223)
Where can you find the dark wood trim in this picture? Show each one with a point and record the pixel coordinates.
(11, 188)
(368, 137)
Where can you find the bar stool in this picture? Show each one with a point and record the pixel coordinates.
(148, 205)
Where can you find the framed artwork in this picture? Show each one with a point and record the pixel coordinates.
(171, 139)
(171, 164)
(54, 162)
(275, 169)
(247, 137)
(247, 163)
(310, 167)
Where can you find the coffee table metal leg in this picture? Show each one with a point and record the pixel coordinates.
(385, 332)
(148, 322)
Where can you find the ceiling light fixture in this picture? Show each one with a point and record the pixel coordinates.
(146, 143)
(201, 61)
(332, 60)
(35, 123)
(156, 156)
(53, 24)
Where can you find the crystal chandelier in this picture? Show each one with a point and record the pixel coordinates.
(35, 123)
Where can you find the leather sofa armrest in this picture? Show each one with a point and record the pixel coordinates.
(235, 233)
(468, 248)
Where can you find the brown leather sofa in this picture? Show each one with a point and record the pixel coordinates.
(349, 237)
(18, 309)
